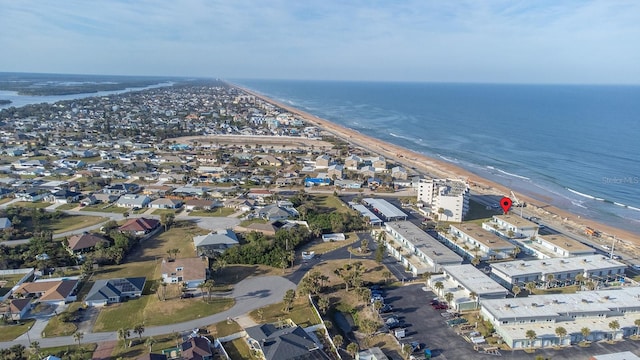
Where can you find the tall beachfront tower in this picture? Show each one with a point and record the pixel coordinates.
(449, 194)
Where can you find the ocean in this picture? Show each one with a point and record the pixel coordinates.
(574, 146)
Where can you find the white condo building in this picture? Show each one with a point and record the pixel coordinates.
(595, 310)
(449, 194)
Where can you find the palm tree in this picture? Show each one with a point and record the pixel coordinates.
(448, 297)
(530, 286)
(123, 334)
(614, 325)
(516, 290)
(387, 275)
(516, 251)
(139, 329)
(323, 304)
(475, 261)
(438, 286)
(585, 333)
(561, 332)
(406, 350)
(35, 346)
(531, 335)
(474, 296)
(338, 340)
(352, 349)
(288, 299)
(550, 278)
(580, 279)
(77, 336)
(150, 342)
(637, 324)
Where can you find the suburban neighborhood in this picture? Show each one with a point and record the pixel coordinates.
(198, 221)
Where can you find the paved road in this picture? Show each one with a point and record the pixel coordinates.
(250, 294)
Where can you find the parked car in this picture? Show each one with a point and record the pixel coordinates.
(186, 295)
(386, 309)
(377, 297)
(441, 306)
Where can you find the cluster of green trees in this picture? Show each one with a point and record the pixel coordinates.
(277, 251)
(27, 221)
(26, 255)
(120, 244)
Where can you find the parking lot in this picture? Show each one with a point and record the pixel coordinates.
(425, 325)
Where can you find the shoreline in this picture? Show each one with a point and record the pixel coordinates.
(439, 168)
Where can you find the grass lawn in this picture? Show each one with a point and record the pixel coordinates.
(330, 203)
(226, 328)
(246, 223)
(219, 212)
(122, 315)
(105, 208)
(73, 222)
(129, 269)
(558, 290)
(5, 200)
(321, 247)
(179, 236)
(139, 348)
(55, 327)
(165, 211)
(232, 274)
(67, 207)
(10, 332)
(238, 349)
(26, 204)
(301, 313)
(68, 351)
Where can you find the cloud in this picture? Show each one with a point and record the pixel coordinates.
(498, 41)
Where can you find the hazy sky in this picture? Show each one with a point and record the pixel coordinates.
(534, 41)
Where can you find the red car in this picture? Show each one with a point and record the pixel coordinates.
(441, 306)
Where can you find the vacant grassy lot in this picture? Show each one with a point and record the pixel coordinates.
(73, 222)
(67, 207)
(321, 247)
(301, 313)
(130, 269)
(5, 200)
(10, 332)
(123, 315)
(9, 281)
(219, 212)
(238, 349)
(478, 211)
(226, 328)
(330, 203)
(105, 208)
(232, 274)
(26, 204)
(139, 348)
(165, 211)
(179, 236)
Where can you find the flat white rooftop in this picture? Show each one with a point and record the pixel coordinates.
(487, 238)
(387, 210)
(366, 213)
(516, 221)
(566, 243)
(474, 280)
(424, 242)
(555, 305)
(556, 265)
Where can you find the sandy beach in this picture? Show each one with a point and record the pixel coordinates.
(437, 168)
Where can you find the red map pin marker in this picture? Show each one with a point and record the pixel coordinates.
(505, 204)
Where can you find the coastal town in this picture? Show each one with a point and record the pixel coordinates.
(203, 221)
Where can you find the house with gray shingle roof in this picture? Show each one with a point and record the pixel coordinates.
(286, 343)
(215, 242)
(114, 290)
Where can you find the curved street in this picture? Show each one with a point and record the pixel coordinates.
(250, 294)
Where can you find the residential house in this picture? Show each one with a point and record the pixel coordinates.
(63, 196)
(105, 198)
(16, 309)
(84, 242)
(284, 343)
(89, 200)
(269, 160)
(140, 226)
(352, 162)
(5, 223)
(133, 201)
(323, 161)
(201, 204)
(4, 192)
(54, 291)
(215, 242)
(335, 171)
(367, 171)
(121, 189)
(158, 190)
(379, 163)
(111, 291)
(152, 357)
(196, 348)
(30, 195)
(260, 195)
(273, 212)
(166, 203)
(399, 172)
(190, 271)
